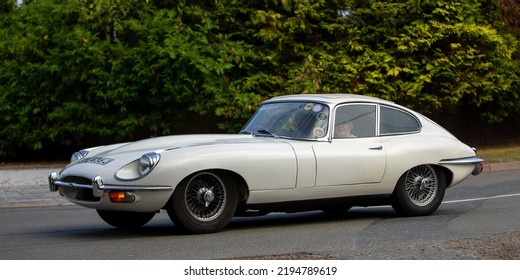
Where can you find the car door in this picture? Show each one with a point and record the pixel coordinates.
(354, 155)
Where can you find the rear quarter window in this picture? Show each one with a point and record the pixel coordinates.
(395, 121)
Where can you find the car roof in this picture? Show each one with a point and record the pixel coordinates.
(330, 98)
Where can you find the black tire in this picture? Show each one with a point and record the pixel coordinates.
(127, 220)
(419, 191)
(203, 203)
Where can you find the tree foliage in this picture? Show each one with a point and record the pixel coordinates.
(510, 12)
(79, 72)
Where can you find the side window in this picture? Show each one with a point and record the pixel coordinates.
(394, 121)
(355, 121)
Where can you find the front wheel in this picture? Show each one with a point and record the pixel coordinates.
(419, 191)
(121, 219)
(204, 203)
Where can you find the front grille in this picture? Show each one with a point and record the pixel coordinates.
(77, 179)
(75, 193)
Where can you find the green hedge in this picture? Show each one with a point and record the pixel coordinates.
(73, 71)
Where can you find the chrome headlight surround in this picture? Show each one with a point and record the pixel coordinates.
(147, 163)
(78, 155)
(138, 168)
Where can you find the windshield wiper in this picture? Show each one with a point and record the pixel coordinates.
(265, 132)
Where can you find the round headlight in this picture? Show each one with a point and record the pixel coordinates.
(147, 162)
(78, 155)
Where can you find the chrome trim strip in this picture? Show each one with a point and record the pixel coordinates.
(467, 160)
(113, 187)
(110, 187)
(73, 185)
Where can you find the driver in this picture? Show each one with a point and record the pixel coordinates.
(343, 126)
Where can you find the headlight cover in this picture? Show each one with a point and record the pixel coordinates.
(78, 155)
(147, 162)
(139, 167)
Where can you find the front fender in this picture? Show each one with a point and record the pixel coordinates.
(263, 166)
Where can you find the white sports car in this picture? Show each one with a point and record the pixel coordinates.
(297, 153)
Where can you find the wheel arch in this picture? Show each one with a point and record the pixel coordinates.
(238, 180)
(447, 173)
(439, 168)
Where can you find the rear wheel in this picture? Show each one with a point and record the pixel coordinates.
(419, 191)
(204, 203)
(121, 219)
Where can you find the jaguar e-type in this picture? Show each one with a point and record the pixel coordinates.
(325, 152)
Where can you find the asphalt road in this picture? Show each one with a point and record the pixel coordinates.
(479, 219)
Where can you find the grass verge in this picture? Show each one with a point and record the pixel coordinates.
(504, 153)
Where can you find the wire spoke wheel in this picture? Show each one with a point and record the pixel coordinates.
(205, 197)
(419, 191)
(421, 185)
(204, 202)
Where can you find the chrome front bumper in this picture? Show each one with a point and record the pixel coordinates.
(98, 187)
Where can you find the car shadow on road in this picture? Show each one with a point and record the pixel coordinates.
(311, 217)
(162, 226)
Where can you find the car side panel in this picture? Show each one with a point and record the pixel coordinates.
(350, 161)
(302, 194)
(402, 151)
(264, 166)
(407, 151)
(306, 161)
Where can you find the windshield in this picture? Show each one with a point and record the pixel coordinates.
(301, 120)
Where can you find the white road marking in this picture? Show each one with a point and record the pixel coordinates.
(481, 198)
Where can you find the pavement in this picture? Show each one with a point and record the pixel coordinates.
(22, 186)
(28, 187)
